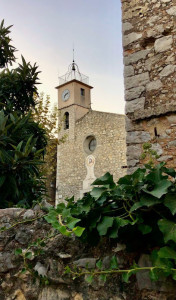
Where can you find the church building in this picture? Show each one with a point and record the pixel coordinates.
(95, 141)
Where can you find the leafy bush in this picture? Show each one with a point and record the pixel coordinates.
(48, 120)
(6, 49)
(22, 140)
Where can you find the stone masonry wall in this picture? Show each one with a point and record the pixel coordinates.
(110, 153)
(58, 253)
(149, 41)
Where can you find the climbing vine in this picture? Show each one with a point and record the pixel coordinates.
(139, 211)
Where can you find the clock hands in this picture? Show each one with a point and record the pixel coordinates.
(65, 94)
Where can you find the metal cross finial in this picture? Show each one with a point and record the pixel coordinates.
(73, 53)
(73, 64)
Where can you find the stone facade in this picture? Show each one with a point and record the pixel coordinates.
(77, 165)
(149, 41)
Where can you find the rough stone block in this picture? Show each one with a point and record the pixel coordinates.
(135, 57)
(131, 37)
(12, 212)
(143, 279)
(132, 126)
(137, 80)
(165, 158)
(134, 152)
(134, 93)
(152, 61)
(40, 269)
(126, 26)
(167, 71)
(171, 119)
(131, 170)
(134, 105)
(29, 214)
(163, 43)
(138, 137)
(132, 162)
(6, 262)
(172, 11)
(86, 262)
(157, 147)
(50, 293)
(128, 71)
(154, 85)
(172, 144)
(153, 19)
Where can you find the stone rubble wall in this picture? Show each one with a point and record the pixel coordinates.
(58, 253)
(149, 42)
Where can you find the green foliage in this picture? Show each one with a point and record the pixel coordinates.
(6, 49)
(113, 210)
(133, 211)
(22, 140)
(149, 154)
(18, 86)
(64, 223)
(168, 228)
(139, 211)
(48, 120)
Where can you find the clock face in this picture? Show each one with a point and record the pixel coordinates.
(65, 95)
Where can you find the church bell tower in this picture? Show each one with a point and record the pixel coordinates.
(74, 98)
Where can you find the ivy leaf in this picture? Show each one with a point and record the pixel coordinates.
(126, 276)
(97, 192)
(160, 188)
(170, 202)
(66, 213)
(51, 216)
(118, 222)
(60, 207)
(167, 252)
(67, 270)
(106, 179)
(105, 223)
(174, 275)
(86, 205)
(154, 276)
(136, 206)
(71, 222)
(145, 229)
(169, 171)
(78, 231)
(28, 255)
(168, 228)
(18, 251)
(103, 198)
(149, 200)
(89, 278)
(64, 231)
(103, 277)
(113, 263)
(99, 264)
(23, 270)
(160, 262)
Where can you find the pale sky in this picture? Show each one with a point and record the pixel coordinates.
(44, 32)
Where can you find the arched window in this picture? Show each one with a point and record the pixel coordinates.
(66, 124)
